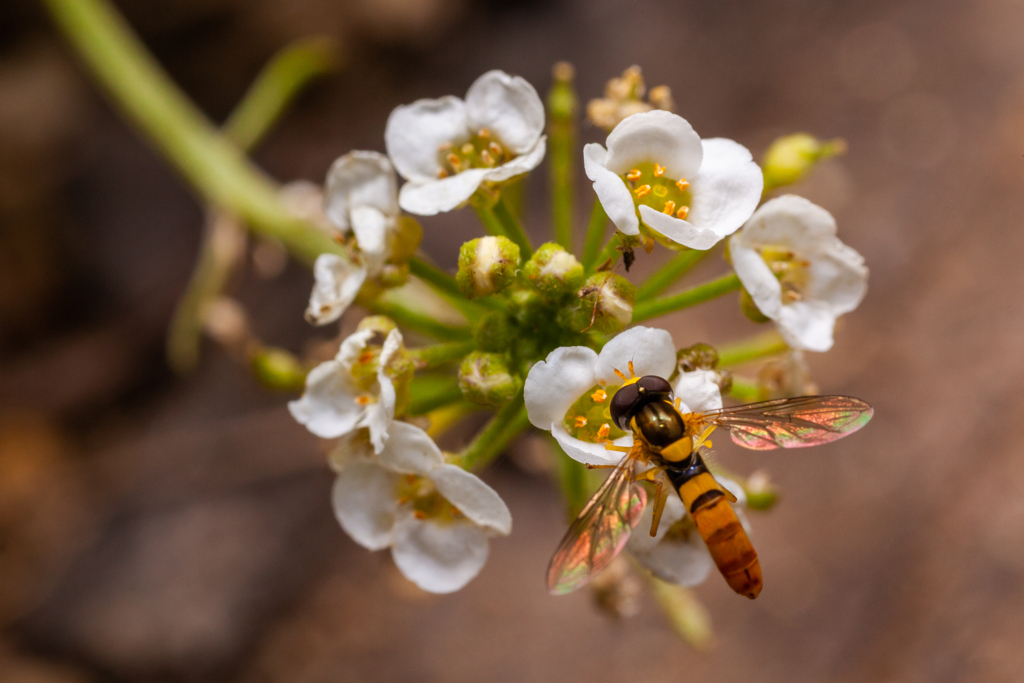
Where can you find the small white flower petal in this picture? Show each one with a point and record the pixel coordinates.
(698, 390)
(360, 179)
(554, 384)
(370, 227)
(410, 450)
(365, 500)
(806, 325)
(727, 189)
(684, 563)
(586, 452)
(378, 416)
(327, 408)
(655, 136)
(519, 165)
(790, 221)
(439, 558)
(415, 132)
(611, 190)
(652, 351)
(507, 106)
(437, 195)
(679, 231)
(337, 283)
(476, 500)
(838, 277)
(757, 278)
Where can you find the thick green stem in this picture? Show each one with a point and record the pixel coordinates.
(561, 152)
(429, 392)
(691, 297)
(506, 424)
(431, 356)
(759, 346)
(680, 264)
(745, 391)
(595, 236)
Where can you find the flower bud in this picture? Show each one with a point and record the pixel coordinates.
(761, 492)
(485, 378)
(750, 309)
(697, 357)
(494, 332)
(487, 265)
(381, 324)
(553, 271)
(609, 299)
(404, 240)
(278, 369)
(562, 96)
(393, 275)
(791, 157)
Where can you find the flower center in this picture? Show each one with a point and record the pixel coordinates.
(364, 370)
(482, 150)
(590, 417)
(650, 186)
(425, 499)
(793, 272)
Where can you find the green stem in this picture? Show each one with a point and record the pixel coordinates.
(444, 418)
(427, 393)
(595, 236)
(680, 264)
(431, 356)
(561, 158)
(287, 73)
(745, 391)
(513, 230)
(216, 169)
(446, 285)
(688, 617)
(506, 424)
(419, 322)
(759, 346)
(691, 297)
(610, 251)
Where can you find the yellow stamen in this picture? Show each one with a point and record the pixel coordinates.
(599, 396)
(363, 400)
(670, 207)
(682, 212)
(486, 156)
(642, 191)
(445, 147)
(403, 500)
(683, 184)
(467, 148)
(634, 174)
(495, 149)
(580, 422)
(441, 173)
(603, 431)
(658, 170)
(365, 357)
(419, 514)
(484, 133)
(455, 162)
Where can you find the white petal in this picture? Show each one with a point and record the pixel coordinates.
(410, 450)
(392, 345)
(655, 136)
(806, 325)
(415, 132)
(641, 541)
(378, 416)
(757, 278)
(352, 346)
(727, 189)
(652, 351)
(328, 408)
(337, 282)
(509, 107)
(793, 222)
(519, 165)
(370, 227)
(439, 558)
(678, 230)
(838, 277)
(554, 384)
(611, 190)
(684, 563)
(476, 500)
(365, 500)
(586, 452)
(699, 390)
(360, 179)
(434, 196)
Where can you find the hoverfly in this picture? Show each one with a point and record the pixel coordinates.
(671, 443)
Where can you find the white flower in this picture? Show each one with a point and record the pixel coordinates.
(351, 392)
(698, 390)
(575, 377)
(677, 553)
(692, 191)
(797, 271)
(447, 147)
(361, 196)
(336, 283)
(435, 517)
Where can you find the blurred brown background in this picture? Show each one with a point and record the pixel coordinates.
(163, 529)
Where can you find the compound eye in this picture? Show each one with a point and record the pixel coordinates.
(654, 385)
(622, 404)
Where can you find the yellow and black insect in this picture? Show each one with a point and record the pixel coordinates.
(670, 443)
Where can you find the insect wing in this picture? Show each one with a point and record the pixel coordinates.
(792, 422)
(599, 532)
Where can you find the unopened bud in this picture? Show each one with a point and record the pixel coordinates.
(553, 271)
(494, 332)
(761, 492)
(485, 378)
(562, 96)
(609, 300)
(750, 309)
(278, 369)
(661, 98)
(697, 357)
(393, 275)
(404, 240)
(791, 157)
(487, 265)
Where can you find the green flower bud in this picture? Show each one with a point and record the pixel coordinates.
(381, 324)
(487, 265)
(405, 240)
(553, 271)
(278, 369)
(697, 357)
(485, 378)
(562, 96)
(609, 300)
(761, 492)
(525, 306)
(393, 275)
(494, 332)
(791, 157)
(750, 309)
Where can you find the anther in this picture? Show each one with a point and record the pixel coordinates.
(441, 173)
(683, 184)
(682, 212)
(603, 431)
(487, 158)
(419, 514)
(445, 147)
(659, 171)
(580, 422)
(634, 174)
(455, 162)
(599, 396)
(363, 400)
(660, 191)
(484, 133)
(642, 191)
(670, 207)
(365, 357)
(467, 148)
(495, 149)
(792, 295)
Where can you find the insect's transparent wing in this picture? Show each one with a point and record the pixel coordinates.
(599, 532)
(791, 422)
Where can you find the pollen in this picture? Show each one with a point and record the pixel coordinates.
(419, 514)
(642, 191)
(441, 173)
(602, 433)
(660, 191)
(599, 396)
(670, 207)
(363, 400)
(365, 357)
(659, 170)
(580, 422)
(683, 212)
(634, 174)
(682, 184)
